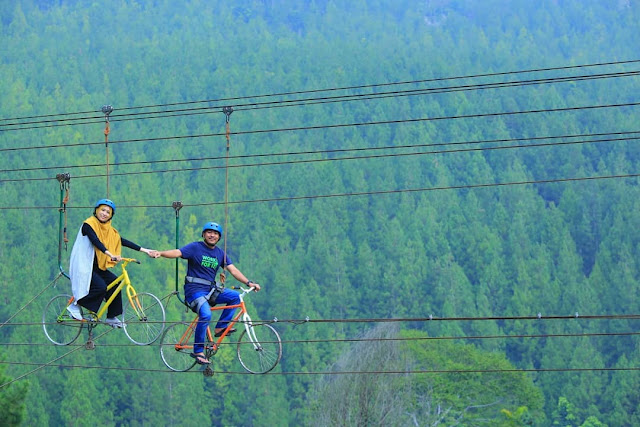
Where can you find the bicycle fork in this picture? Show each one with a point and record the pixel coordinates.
(251, 332)
(135, 304)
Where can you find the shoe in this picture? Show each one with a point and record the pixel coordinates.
(219, 334)
(74, 311)
(200, 359)
(114, 322)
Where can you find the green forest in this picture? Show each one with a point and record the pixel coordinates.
(438, 198)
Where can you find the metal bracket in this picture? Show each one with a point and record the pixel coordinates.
(106, 110)
(62, 177)
(227, 111)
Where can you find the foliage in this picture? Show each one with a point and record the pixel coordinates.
(434, 203)
(13, 397)
(432, 397)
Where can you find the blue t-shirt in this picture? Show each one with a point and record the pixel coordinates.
(202, 262)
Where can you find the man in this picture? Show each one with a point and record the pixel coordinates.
(201, 291)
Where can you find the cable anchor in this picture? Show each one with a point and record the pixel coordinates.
(227, 112)
(63, 178)
(177, 205)
(106, 110)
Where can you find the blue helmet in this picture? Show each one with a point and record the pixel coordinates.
(106, 202)
(212, 226)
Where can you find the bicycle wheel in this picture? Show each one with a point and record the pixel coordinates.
(174, 351)
(144, 322)
(263, 354)
(58, 325)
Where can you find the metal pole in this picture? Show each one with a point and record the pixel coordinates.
(63, 179)
(177, 206)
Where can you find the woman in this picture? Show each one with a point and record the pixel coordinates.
(96, 249)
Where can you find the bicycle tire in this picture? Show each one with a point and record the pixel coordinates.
(174, 355)
(144, 324)
(262, 356)
(59, 326)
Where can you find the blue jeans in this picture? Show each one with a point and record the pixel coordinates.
(227, 296)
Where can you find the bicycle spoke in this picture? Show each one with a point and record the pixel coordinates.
(174, 348)
(263, 354)
(59, 327)
(144, 318)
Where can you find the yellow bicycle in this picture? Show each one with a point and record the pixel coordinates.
(143, 315)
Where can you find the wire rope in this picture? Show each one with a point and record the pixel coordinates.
(428, 319)
(6, 322)
(351, 340)
(356, 124)
(361, 193)
(335, 159)
(315, 373)
(309, 101)
(636, 135)
(504, 73)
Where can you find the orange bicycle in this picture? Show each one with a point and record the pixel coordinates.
(259, 348)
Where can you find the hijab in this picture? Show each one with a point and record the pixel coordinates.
(110, 237)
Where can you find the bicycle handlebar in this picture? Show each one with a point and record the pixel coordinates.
(127, 260)
(244, 290)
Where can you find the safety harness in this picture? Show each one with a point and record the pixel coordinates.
(210, 298)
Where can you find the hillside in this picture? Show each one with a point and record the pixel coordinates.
(475, 163)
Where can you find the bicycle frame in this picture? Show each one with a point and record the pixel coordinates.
(242, 316)
(144, 311)
(121, 281)
(258, 346)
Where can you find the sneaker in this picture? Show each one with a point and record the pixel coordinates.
(114, 322)
(74, 311)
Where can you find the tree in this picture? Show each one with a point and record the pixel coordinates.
(363, 399)
(450, 398)
(13, 396)
(520, 417)
(564, 415)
